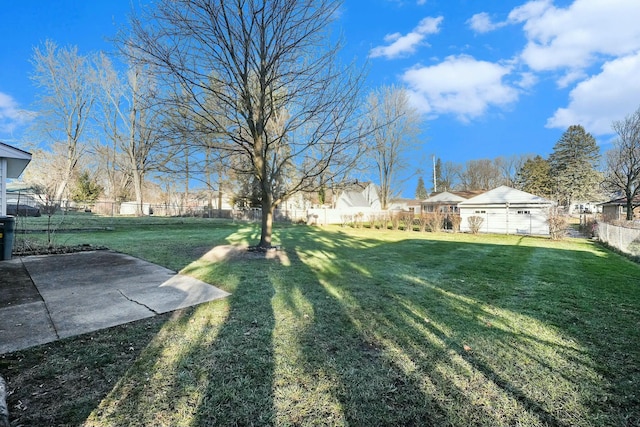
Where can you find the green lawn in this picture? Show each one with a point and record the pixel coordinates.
(355, 327)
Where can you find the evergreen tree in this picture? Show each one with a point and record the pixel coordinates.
(86, 189)
(535, 177)
(421, 191)
(574, 163)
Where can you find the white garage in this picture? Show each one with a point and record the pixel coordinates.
(505, 210)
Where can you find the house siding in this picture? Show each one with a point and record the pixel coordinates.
(514, 220)
(3, 186)
(506, 210)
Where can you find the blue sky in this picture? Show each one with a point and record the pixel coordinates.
(491, 78)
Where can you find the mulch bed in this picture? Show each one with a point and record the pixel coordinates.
(55, 250)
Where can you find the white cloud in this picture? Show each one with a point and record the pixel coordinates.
(579, 35)
(400, 45)
(481, 23)
(530, 10)
(527, 80)
(10, 115)
(571, 77)
(461, 85)
(611, 95)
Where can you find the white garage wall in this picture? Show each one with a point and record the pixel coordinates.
(500, 220)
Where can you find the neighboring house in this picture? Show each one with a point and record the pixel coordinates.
(363, 196)
(406, 205)
(585, 208)
(616, 209)
(359, 200)
(505, 210)
(446, 201)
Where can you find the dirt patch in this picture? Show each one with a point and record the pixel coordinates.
(242, 252)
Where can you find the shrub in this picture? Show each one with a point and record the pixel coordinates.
(373, 220)
(384, 221)
(395, 220)
(435, 220)
(422, 220)
(358, 220)
(475, 223)
(455, 222)
(407, 221)
(589, 226)
(345, 220)
(557, 221)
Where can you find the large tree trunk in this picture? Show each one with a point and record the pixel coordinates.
(267, 220)
(137, 186)
(629, 206)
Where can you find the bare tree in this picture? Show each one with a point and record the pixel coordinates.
(450, 173)
(482, 174)
(281, 99)
(623, 161)
(509, 166)
(395, 125)
(65, 104)
(131, 123)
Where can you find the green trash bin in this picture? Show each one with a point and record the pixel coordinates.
(7, 225)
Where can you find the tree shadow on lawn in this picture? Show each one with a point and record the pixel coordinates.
(395, 366)
(361, 331)
(522, 332)
(60, 383)
(209, 365)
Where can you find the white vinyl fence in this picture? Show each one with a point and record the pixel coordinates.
(625, 239)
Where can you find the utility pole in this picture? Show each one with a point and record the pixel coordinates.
(435, 184)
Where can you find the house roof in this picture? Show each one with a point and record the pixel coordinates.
(354, 199)
(17, 160)
(622, 201)
(408, 202)
(445, 197)
(505, 194)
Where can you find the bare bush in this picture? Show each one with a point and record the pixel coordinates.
(422, 220)
(435, 221)
(345, 220)
(455, 221)
(384, 221)
(475, 223)
(557, 220)
(395, 218)
(407, 221)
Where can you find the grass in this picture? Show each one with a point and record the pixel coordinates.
(354, 327)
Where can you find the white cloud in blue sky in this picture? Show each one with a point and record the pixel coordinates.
(11, 116)
(460, 85)
(599, 100)
(482, 23)
(399, 45)
(588, 47)
(577, 36)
